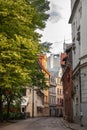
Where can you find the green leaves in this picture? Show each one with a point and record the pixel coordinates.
(16, 18)
(46, 46)
(41, 7)
(19, 42)
(16, 60)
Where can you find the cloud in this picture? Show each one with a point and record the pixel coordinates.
(54, 13)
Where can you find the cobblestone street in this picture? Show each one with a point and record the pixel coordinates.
(48, 124)
(43, 123)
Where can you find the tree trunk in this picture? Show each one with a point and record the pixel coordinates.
(1, 115)
(8, 108)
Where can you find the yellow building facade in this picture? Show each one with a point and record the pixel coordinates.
(43, 63)
(36, 103)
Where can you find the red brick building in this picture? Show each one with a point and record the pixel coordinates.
(66, 63)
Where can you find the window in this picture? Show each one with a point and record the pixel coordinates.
(23, 91)
(80, 11)
(58, 101)
(23, 109)
(58, 91)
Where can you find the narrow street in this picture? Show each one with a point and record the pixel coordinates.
(44, 123)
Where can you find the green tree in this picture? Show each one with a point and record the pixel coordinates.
(11, 96)
(16, 62)
(46, 46)
(38, 77)
(41, 7)
(19, 42)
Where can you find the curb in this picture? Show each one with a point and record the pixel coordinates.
(68, 125)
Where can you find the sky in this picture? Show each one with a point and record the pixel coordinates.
(57, 27)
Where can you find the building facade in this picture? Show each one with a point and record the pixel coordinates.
(56, 88)
(52, 95)
(33, 102)
(66, 63)
(43, 64)
(53, 63)
(59, 97)
(78, 20)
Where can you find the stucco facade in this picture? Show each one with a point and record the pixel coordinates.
(59, 97)
(33, 103)
(43, 63)
(52, 95)
(78, 20)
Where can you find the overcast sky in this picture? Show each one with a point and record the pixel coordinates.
(57, 27)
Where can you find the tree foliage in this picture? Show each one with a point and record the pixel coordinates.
(46, 46)
(19, 42)
(40, 6)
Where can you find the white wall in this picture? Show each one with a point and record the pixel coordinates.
(84, 28)
(75, 27)
(80, 18)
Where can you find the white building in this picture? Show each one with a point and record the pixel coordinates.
(78, 19)
(59, 96)
(53, 63)
(56, 88)
(52, 95)
(33, 102)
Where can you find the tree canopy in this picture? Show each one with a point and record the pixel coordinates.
(19, 42)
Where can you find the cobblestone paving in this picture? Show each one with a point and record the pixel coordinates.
(48, 123)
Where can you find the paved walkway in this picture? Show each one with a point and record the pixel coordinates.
(42, 124)
(73, 126)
